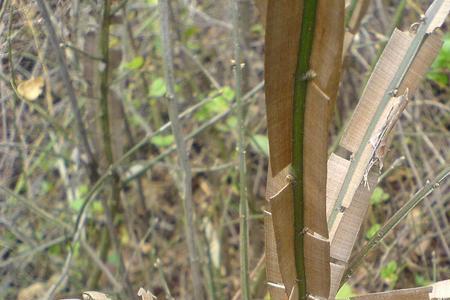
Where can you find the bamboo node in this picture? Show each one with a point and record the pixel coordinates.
(290, 178)
(309, 75)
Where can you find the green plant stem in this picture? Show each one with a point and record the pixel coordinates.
(394, 221)
(192, 134)
(349, 14)
(300, 93)
(54, 40)
(183, 158)
(104, 246)
(163, 279)
(243, 202)
(110, 208)
(395, 22)
(103, 179)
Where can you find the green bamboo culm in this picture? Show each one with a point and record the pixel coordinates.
(243, 202)
(300, 92)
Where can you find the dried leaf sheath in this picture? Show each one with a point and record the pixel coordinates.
(281, 47)
(438, 290)
(282, 36)
(348, 199)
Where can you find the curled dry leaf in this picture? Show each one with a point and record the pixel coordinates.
(145, 294)
(31, 89)
(91, 295)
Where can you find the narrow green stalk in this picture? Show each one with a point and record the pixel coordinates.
(349, 14)
(144, 167)
(394, 221)
(183, 158)
(54, 40)
(162, 277)
(208, 267)
(3, 6)
(300, 92)
(110, 207)
(243, 203)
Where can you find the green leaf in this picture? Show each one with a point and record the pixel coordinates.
(261, 143)
(232, 122)
(421, 281)
(220, 103)
(372, 231)
(163, 140)
(135, 63)
(345, 292)
(157, 88)
(55, 250)
(389, 272)
(113, 259)
(228, 93)
(76, 204)
(378, 196)
(191, 31)
(440, 68)
(46, 186)
(97, 207)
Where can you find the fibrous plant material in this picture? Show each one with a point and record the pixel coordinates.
(438, 290)
(303, 62)
(401, 67)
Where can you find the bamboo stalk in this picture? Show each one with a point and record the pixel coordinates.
(300, 93)
(99, 183)
(243, 202)
(394, 221)
(110, 208)
(183, 157)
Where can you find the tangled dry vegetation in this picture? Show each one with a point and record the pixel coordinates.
(56, 208)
